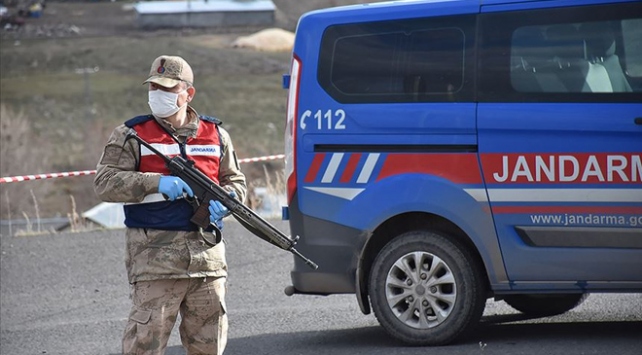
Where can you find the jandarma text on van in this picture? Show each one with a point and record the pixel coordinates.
(579, 167)
(587, 219)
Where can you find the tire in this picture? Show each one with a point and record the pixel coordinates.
(545, 305)
(450, 283)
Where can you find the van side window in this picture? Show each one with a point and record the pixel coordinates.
(401, 61)
(578, 54)
(631, 35)
(574, 57)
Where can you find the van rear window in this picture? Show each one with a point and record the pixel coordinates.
(404, 61)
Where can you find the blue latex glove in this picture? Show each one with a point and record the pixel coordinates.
(173, 187)
(217, 210)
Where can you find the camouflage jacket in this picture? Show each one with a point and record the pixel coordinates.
(158, 254)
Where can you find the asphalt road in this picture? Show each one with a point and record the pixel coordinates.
(68, 294)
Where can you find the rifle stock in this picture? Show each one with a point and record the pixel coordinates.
(205, 190)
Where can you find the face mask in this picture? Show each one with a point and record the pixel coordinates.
(163, 103)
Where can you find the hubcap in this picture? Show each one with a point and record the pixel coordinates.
(421, 290)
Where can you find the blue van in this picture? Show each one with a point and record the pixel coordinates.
(441, 153)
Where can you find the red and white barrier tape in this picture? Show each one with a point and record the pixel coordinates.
(265, 158)
(45, 176)
(91, 172)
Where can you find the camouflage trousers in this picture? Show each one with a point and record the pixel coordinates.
(156, 304)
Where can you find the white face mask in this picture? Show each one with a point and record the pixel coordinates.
(163, 103)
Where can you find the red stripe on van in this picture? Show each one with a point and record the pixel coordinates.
(314, 167)
(567, 209)
(460, 168)
(348, 173)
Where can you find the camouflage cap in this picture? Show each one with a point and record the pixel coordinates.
(168, 71)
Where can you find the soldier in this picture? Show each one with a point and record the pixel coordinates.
(171, 266)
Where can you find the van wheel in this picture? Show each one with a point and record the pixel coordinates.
(425, 289)
(545, 305)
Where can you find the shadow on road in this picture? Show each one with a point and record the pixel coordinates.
(575, 331)
(491, 334)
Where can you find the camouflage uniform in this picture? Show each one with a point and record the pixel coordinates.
(170, 271)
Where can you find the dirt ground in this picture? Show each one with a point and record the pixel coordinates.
(118, 18)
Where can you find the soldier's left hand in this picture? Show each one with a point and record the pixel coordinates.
(217, 210)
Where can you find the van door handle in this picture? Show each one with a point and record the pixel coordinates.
(638, 121)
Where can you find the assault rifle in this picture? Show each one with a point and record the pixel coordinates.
(205, 190)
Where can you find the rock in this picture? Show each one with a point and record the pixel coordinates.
(268, 40)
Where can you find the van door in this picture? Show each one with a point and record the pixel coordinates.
(560, 141)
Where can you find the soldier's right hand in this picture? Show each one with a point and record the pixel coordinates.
(173, 187)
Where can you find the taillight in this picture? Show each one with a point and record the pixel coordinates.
(290, 128)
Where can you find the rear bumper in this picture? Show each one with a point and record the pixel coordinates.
(335, 248)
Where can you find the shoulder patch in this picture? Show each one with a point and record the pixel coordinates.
(138, 120)
(211, 119)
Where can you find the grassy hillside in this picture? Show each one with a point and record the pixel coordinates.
(55, 119)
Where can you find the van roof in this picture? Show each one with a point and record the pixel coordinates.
(343, 14)
(441, 7)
